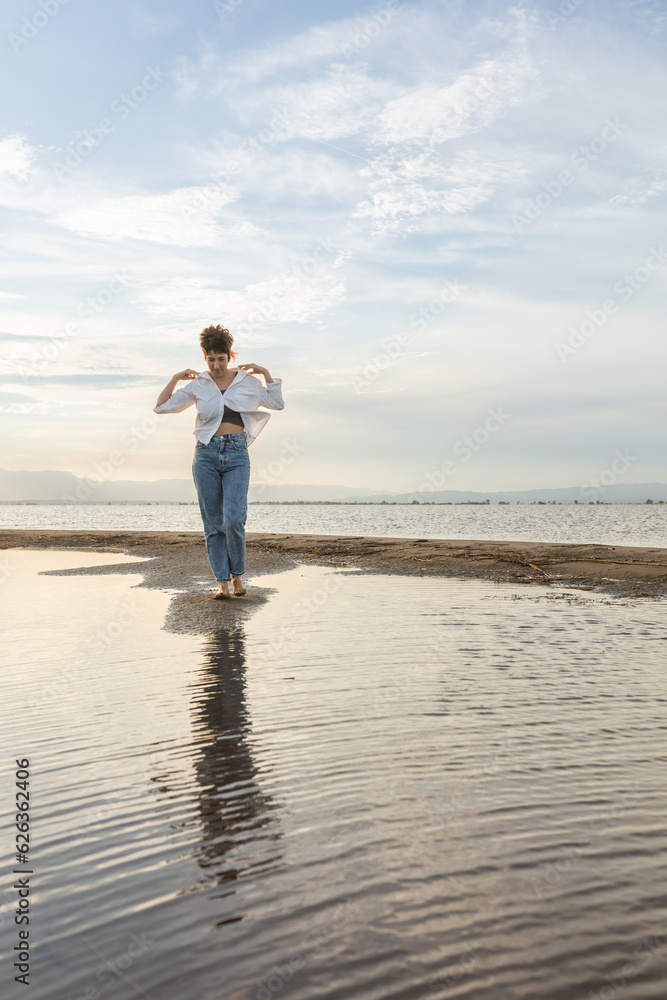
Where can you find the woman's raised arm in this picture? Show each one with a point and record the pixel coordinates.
(168, 391)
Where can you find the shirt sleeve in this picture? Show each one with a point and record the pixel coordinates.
(178, 401)
(272, 395)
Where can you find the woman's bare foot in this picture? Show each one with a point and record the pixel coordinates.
(239, 589)
(223, 591)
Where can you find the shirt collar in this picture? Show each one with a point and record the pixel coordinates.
(208, 375)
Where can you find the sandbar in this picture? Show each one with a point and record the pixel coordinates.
(177, 559)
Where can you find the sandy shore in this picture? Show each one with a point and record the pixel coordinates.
(621, 569)
(178, 559)
(175, 561)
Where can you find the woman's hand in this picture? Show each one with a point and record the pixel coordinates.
(188, 374)
(253, 369)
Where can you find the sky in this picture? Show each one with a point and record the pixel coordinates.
(439, 223)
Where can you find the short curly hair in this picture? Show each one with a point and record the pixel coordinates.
(217, 338)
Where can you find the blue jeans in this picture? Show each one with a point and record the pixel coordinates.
(221, 471)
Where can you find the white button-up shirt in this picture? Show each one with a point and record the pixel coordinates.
(245, 394)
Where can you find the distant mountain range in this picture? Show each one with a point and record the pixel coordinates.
(618, 493)
(64, 487)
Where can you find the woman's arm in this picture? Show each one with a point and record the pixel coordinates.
(272, 395)
(253, 369)
(168, 390)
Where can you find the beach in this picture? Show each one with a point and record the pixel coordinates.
(177, 560)
(363, 301)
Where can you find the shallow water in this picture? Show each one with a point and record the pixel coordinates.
(376, 787)
(612, 524)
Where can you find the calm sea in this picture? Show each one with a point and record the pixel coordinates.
(374, 788)
(613, 524)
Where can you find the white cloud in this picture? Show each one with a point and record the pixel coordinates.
(16, 156)
(403, 185)
(312, 171)
(475, 100)
(406, 189)
(284, 298)
(342, 102)
(212, 75)
(185, 217)
(639, 191)
(339, 39)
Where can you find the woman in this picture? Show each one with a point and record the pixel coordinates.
(228, 421)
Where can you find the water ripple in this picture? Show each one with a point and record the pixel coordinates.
(454, 791)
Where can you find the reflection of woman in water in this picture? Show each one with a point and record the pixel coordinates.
(228, 421)
(238, 825)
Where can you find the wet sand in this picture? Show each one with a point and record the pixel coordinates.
(178, 560)
(622, 569)
(175, 561)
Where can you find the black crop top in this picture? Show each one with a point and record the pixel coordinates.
(231, 416)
